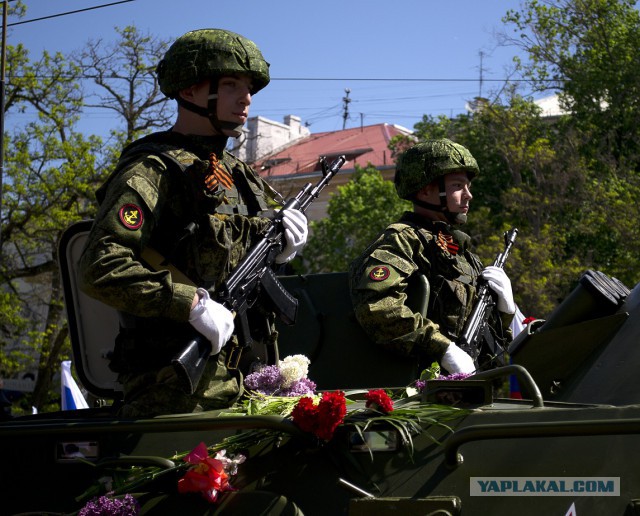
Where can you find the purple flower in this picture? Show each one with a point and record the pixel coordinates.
(302, 387)
(270, 381)
(105, 506)
(288, 378)
(265, 381)
(454, 376)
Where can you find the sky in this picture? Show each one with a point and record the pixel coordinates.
(400, 59)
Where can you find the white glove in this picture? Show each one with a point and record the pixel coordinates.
(295, 234)
(212, 320)
(457, 361)
(501, 285)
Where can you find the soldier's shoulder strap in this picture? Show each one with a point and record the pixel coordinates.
(159, 145)
(156, 145)
(427, 236)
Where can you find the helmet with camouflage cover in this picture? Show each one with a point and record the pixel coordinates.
(210, 53)
(426, 161)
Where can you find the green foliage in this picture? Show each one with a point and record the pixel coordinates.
(359, 210)
(51, 172)
(588, 51)
(431, 373)
(44, 189)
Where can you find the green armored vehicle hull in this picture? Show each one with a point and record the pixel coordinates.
(566, 448)
(502, 458)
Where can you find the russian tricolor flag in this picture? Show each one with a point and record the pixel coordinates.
(517, 325)
(71, 398)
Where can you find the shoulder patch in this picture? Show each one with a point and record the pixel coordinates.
(379, 273)
(131, 216)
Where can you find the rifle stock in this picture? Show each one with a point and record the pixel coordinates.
(471, 338)
(252, 277)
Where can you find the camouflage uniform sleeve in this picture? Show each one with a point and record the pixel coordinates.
(110, 267)
(379, 281)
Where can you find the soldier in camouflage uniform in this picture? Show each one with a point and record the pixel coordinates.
(436, 176)
(180, 195)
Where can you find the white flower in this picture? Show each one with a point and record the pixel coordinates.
(411, 391)
(293, 368)
(230, 463)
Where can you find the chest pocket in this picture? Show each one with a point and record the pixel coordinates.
(452, 291)
(250, 189)
(229, 225)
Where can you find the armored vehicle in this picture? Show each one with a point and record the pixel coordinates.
(457, 447)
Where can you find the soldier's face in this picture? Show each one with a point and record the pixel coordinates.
(234, 98)
(458, 189)
(232, 104)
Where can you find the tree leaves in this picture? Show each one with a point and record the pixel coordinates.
(52, 170)
(360, 210)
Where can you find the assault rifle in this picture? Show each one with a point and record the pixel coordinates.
(251, 278)
(472, 334)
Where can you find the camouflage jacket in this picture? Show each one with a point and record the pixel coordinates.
(148, 201)
(381, 276)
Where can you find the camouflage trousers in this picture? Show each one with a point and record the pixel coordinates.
(159, 391)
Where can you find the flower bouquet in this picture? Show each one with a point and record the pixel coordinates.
(284, 390)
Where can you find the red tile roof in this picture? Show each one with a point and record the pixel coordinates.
(362, 145)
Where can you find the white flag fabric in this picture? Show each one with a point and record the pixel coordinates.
(517, 325)
(71, 398)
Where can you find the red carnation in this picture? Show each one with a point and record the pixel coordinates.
(321, 419)
(304, 414)
(379, 400)
(331, 411)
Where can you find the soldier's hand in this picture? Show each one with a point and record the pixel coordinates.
(295, 234)
(455, 360)
(499, 282)
(212, 320)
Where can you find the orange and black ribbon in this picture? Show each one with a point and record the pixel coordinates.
(446, 243)
(217, 174)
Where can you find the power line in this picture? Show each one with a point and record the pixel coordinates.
(326, 79)
(393, 79)
(68, 12)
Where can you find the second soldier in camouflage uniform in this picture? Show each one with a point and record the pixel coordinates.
(435, 175)
(181, 195)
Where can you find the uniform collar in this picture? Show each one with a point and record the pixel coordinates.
(437, 226)
(201, 146)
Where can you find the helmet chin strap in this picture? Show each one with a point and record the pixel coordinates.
(452, 218)
(211, 112)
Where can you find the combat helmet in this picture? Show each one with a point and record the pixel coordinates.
(205, 53)
(421, 164)
(429, 161)
(210, 54)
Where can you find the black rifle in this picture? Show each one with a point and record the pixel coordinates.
(247, 281)
(475, 326)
